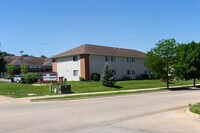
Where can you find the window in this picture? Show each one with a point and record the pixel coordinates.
(114, 72)
(146, 72)
(128, 72)
(75, 58)
(75, 73)
(133, 72)
(132, 60)
(112, 58)
(107, 58)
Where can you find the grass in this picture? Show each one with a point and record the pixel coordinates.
(22, 90)
(82, 87)
(195, 108)
(71, 97)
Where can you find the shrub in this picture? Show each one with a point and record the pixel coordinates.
(126, 78)
(107, 77)
(145, 76)
(29, 78)
(81, 79)
(95, 77)
(23, 79)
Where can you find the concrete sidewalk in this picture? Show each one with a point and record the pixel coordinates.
(28, 99)
(4, 80)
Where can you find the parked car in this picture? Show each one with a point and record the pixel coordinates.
(16, 78)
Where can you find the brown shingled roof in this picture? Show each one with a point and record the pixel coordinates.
(25, 60)
(101, 50)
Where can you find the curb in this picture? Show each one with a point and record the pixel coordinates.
(191, 114)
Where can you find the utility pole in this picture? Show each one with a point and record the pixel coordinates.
(21, 56)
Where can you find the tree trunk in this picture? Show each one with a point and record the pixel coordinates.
(194, 82)
(167, 77)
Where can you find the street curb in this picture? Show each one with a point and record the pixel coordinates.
(191, 114)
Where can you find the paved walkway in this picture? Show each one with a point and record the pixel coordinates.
(28, 99)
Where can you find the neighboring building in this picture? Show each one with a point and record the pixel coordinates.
(86, 59)
(34, 64)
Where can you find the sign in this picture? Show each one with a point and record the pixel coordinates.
(50, 77)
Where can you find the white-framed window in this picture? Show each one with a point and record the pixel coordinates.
(131, 60)
(75, 58)
(112, 59)
(107, 58)
(128, 72)
(133, 72)
(75, 72)
(114, 72)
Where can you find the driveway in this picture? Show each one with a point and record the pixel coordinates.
(138, 113)
(4, 80)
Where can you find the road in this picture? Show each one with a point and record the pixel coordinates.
(137, 113)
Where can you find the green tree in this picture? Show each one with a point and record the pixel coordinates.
(160, 60)
(11, 69)
(23, 69)
(107, 77)
(2, 63)
(25, 55)
(43, 56)
(188, 61)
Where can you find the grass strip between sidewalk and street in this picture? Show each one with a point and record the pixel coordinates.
(85, 96)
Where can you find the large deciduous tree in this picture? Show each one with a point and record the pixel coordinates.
(188, 61)
(2, 63)
(160, 59)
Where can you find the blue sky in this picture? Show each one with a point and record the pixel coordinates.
(49, 27)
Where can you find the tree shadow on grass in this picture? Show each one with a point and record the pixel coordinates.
(116, 87)
(186, 88)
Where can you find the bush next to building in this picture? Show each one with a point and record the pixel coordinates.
(29, 78)
(95, 77)
(81, 79)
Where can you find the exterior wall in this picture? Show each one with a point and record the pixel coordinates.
(85, 68)
(54, 64)
(120, 65)
(65, 67)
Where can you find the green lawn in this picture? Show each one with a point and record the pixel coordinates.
(22, 90)
(81, 87)
(195, 108)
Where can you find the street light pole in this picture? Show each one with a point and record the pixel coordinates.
(21, 56)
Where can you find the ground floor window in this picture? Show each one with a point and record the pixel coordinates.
(128, 72)
(131, 72)
(75, 72)
(114, 72)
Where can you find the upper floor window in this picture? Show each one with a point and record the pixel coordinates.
(129, 59)
(75, 58)
(107, 58)
(110, 58)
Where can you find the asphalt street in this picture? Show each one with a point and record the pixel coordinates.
(136, 113)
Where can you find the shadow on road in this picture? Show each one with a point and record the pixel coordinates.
(189, 88)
